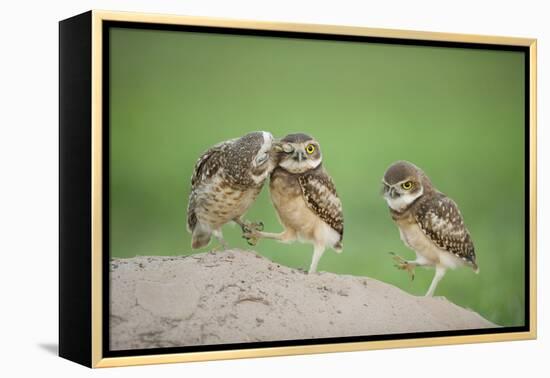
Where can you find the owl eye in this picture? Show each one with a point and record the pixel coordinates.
(260, 159)
(407, 185)
(310, 148)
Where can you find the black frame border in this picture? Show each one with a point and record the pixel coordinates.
(106, 25)
(75, 195)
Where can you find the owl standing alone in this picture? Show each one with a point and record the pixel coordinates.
(226, 180)
(305, 198)
(429, 222)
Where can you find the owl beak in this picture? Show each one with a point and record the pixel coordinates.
(393, 193)
(389, 191)
(298, 156)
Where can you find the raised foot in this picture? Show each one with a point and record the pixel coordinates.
(252, 226)
(402, 264)
(251, 231)
(252, 236)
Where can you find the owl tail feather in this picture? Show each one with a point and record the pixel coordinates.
(338, 247)
(200, 238)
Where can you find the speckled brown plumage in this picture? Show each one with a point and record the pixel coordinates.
(225, 182)
(441, 221)
(305, 198)
(429, 222)
(320, 195)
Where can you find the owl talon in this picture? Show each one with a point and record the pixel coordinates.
(259, 226)
(252, 242)
(251, 237)
(402, 264)
(252, 226)
(255, 226)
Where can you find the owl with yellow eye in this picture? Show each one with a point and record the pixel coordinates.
(304, 197)
(429, 223)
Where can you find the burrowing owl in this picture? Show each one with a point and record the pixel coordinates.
(226, 181)
(429, 222)
(305, 198)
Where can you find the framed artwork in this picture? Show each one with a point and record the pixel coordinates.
(235, 189)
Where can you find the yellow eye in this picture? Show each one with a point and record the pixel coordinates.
(407, 185)
(310, 148)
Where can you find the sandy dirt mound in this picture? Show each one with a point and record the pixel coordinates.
(238, 296)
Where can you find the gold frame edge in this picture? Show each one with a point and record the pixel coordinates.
(97, 198)
(309, 349)
(533, 187)
(98, 16)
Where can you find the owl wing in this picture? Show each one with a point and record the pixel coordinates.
(442, 223)
(320, 195)
(207, 165)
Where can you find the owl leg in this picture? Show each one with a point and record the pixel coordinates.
(402, 264)
(439, 273)
(218, 235)
(252, 236)
(318, 250)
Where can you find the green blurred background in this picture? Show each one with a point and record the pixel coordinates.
(457, 113)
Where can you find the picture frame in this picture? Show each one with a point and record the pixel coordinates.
(85, 85)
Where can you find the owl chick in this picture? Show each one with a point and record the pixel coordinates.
(304, 197)
(226, 180)
(429, 222)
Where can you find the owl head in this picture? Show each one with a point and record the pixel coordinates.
(298, 153)
(403, 183)
(252, 154)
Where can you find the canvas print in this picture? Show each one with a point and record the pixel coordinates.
(278, 190)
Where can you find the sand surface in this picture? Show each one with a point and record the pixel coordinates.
(238, 296)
